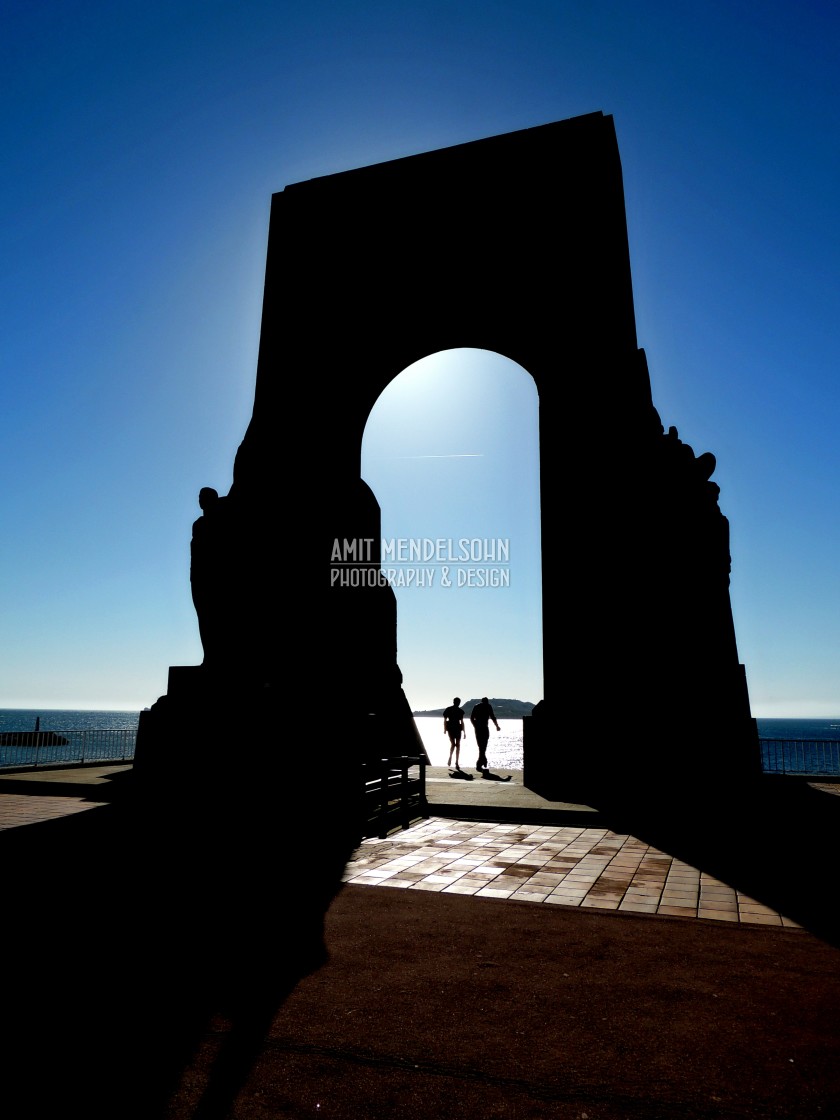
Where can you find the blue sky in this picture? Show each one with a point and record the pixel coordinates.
(141, 147)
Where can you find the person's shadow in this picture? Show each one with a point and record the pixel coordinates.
(460, 774)
(137, 929)
(490, 777)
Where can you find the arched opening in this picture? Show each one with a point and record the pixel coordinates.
(451, 451)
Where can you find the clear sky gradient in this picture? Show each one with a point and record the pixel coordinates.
(141, 146)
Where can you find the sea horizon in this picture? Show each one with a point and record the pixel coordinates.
(504, 751)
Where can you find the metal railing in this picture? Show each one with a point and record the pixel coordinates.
(802, 758)
(39, 749)
(34, 750)
(393, 794)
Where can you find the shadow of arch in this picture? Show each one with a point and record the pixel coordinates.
(451, 451)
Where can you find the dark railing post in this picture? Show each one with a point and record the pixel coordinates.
(424, 804)
(383, 795)
(405, 819)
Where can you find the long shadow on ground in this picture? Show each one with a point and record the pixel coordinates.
(128, 928)
(131, 931)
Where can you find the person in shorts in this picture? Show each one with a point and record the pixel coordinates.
(453, 726)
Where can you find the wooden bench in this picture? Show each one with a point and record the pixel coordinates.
(393, 794)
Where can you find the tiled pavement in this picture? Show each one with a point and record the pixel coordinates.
(566, 865)
(19, 808)
(32, 807)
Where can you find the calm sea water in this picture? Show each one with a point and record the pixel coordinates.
(504, 751)
(80, 728)
(23, 719)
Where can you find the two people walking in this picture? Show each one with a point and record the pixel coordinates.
(481, 717)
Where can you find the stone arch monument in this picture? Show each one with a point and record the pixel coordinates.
(515, 244)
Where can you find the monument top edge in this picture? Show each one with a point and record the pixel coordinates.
(585, 123)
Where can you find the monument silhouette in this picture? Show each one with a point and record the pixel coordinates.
(515, 244)
(172, 924)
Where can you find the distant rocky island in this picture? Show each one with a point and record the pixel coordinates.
(504, 709)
